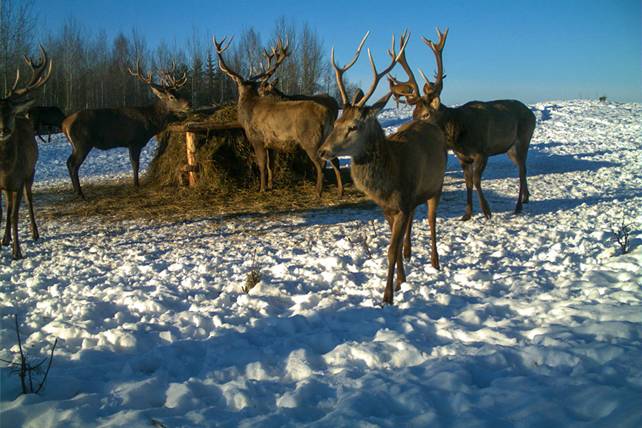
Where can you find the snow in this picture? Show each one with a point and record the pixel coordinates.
(533, 320)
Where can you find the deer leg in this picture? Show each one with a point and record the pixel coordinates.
(478, 168)
(337, 173)
(467, 168)
(521, 165)
(29, 197)
(134, 158)
(270, 167)
(318, 166)
(6, 239)
(432, 221)
(407, 247)
(73, 165)
(394, 250)
(16, 198)
(261, 155)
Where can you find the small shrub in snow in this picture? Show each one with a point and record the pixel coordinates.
(622, 234)
(602, 99)
(253, 277)
(26, 370)
(360, 237)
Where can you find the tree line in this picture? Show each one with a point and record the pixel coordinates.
(91, 68)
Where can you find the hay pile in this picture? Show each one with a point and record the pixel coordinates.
(228, 183)
(225, 157)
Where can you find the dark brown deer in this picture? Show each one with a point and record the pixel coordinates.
(278, 124)
(475, 130)
(131, 127)
(397, 172)
(19, 150)
(45, 120)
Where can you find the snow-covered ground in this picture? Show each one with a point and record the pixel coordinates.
(534, 320)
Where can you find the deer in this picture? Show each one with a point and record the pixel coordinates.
(19, 150)
(475, 130)
(270, 88)
(130, 127)
(398, 172)
(279, 124)
(46, 119)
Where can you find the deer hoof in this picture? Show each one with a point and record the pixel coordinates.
(466, 217)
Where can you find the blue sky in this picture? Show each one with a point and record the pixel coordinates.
(528, 50)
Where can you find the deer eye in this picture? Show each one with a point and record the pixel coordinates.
(352, 128)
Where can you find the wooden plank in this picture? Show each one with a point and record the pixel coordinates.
(190, 145)
(198, 127)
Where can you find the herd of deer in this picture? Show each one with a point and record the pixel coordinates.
(398, 171)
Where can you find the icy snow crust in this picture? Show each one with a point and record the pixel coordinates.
(534, 320)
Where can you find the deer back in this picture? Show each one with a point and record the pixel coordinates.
(485, 127)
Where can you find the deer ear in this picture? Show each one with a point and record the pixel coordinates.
(435, 103)
(376, 108)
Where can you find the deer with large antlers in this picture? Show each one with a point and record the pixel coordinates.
(475, 130)
(131, 127)
(279, 124)
(397, 172)
(19, 150)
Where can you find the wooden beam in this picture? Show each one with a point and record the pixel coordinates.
(199, 127)
(192, 164)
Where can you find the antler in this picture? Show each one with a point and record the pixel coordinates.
(145, 78)
(436, 87)
(220, 48)
(378, 76)
(340, 70)
(40, 73)
(169, 80)
(410, 88)
(280, 52)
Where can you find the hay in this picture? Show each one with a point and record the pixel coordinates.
(119, 201)
(225, 157)
(228, 183)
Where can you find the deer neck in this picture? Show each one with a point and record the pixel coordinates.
(371, 169)
(157, 115)
(8, 153)
(247, 101)
(446, 119)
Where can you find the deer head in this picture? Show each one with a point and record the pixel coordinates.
(358, 126)
(259, 82)
(167, 89)
(17, 100)
(428, 103)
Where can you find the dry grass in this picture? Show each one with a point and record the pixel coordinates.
(119, 200)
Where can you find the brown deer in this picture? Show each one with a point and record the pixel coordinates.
(45, 120)
(270, 88)
(397, 172)
(131, 127)
(475, 130)
(279, 124)
(19, 150)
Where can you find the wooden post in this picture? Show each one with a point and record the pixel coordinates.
(192, 166)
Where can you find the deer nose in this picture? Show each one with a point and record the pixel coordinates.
(6, 131)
